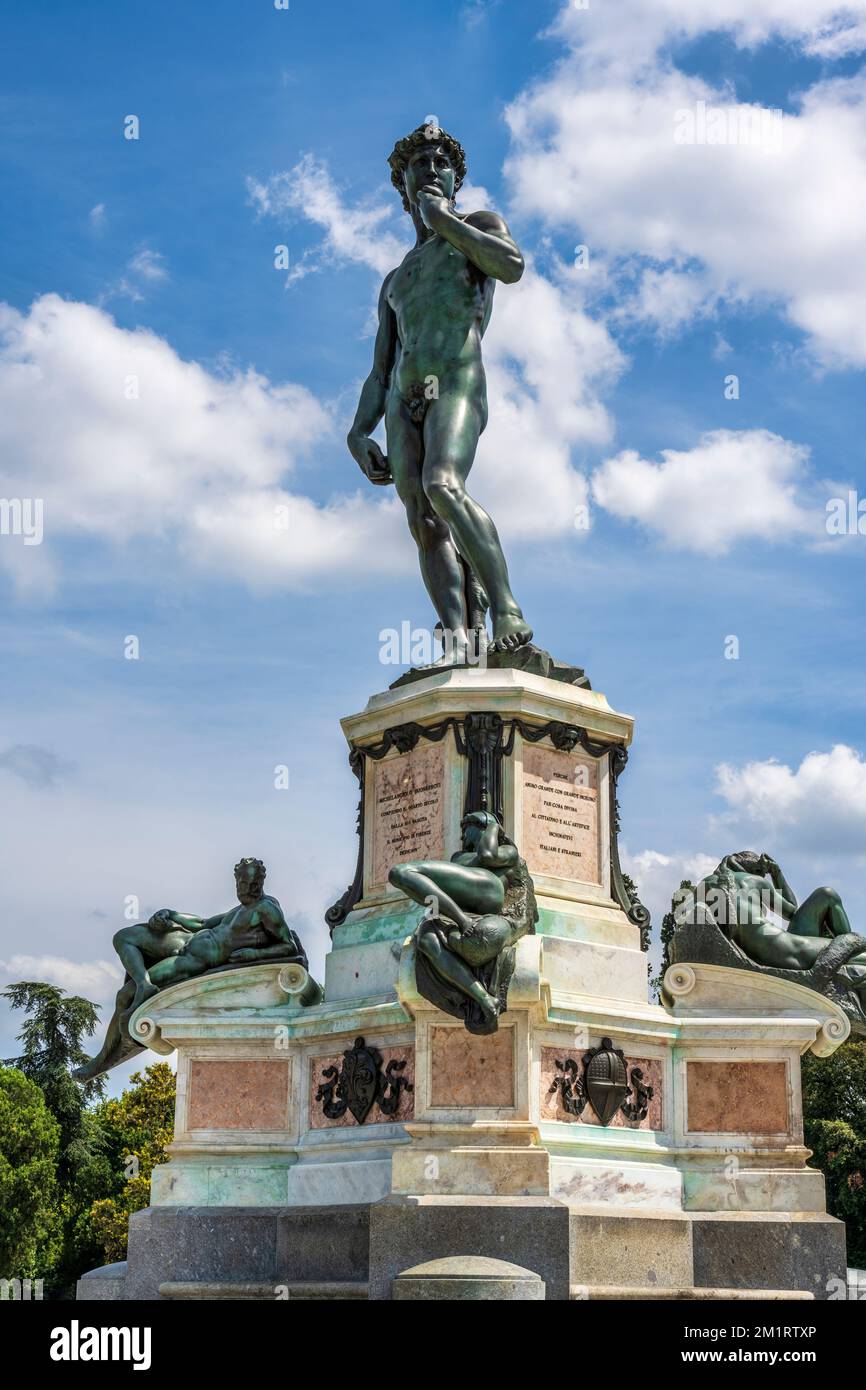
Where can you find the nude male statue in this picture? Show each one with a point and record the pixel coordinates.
(256, 930)
(174, 946)
(428, 383)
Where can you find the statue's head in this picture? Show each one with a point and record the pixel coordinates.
(749, 861)
(474, 825)
(429, 156)
(250, 880)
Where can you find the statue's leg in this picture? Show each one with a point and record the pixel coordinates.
(452, 429)
(770, 945)
(821, 914)
(456, 972)
(174, 969)
(128, 943)
(131, 943)
(113, 1036)
(441, 569)
(202, 952)
(453, 889)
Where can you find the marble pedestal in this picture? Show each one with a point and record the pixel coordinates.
(477, 1153)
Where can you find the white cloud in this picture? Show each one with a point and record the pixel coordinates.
(631, 31)
(148, 265)
(819, 806)
(547, 362)
(659, 875)
(123, 439)
(351, 233)
(98, 980)
(838, 37)
(733, 485)
(97, 217)
(666, 298)
(143, 271)
(474, 197)
(475, 12)
(777, 221)
(811, 817)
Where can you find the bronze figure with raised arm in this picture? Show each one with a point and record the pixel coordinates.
(428, 384)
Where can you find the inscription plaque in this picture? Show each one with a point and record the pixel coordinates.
(560, 814)
(408, 809)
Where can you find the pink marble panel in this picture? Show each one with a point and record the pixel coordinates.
(408, 809)
(737, 1097)
(467, 1070)
(239, 1094)
(560, 813)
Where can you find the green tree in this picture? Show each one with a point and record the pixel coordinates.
(52, 1034)
(834, 1116)
(29, 1144)
(137, 1128)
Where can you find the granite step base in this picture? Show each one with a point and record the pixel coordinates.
(263, 1293)
(358, 1252)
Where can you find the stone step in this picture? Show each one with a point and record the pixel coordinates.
(269, 1293)
(623, 1292)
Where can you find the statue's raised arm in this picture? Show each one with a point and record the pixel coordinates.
(428, 384)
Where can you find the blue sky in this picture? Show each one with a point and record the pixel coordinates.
(153, 260)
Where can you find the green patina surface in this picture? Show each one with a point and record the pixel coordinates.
(570, 925)
(363, 930)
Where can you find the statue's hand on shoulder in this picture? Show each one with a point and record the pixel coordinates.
(370, 459)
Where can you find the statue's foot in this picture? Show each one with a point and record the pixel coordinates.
(510, 631)
(460, 650)
(490, 1009)
(146, 990)
(88, 1070)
